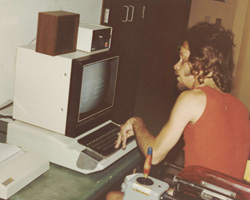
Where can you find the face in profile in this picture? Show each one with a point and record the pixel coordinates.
(182, 69)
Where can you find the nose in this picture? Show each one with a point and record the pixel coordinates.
(177, 65)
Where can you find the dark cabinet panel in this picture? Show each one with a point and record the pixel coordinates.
(127, 19)
(165, 20)
(145, 33)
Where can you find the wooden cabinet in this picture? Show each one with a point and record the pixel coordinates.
(145, 35)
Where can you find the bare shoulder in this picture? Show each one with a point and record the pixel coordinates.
(192, 102)
(192, 96)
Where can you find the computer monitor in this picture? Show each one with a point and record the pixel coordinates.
(62, 104)
(68, 94)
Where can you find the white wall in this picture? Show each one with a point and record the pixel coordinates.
(242, 80)
(238, 27)
(18, 20)
(210, 10)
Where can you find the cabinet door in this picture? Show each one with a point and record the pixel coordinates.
(165, 20)
(127, 19)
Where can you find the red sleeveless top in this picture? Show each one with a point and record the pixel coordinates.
(220, 139)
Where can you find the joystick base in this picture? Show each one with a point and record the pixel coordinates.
(145, 181)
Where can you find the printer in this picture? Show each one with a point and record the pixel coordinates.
(18, 168)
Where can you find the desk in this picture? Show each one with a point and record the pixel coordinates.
(60, 183)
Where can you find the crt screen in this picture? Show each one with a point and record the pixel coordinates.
(98, 87)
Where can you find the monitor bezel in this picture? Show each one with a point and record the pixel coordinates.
(74, 127)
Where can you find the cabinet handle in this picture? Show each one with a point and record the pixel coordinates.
(132, 14)
(106, 15)
(143, 12)
(127, 11)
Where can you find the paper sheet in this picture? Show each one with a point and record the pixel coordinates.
(6, 108)
(8, 150)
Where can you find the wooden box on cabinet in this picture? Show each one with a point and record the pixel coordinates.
(57, 32)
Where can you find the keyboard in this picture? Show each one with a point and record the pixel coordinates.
(103, 140)
(90, 152)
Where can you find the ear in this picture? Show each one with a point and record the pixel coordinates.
(188, 72)
(208, 75)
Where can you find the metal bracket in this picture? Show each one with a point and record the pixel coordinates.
(217, 189)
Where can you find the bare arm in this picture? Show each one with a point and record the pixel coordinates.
(187, 109)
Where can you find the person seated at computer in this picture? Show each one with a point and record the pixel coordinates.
(215, 124)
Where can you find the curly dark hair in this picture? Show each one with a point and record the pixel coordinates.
(211, 48)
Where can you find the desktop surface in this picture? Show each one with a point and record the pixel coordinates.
(60, 183)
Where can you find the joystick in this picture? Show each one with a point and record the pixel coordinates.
(142, 186)
(147, 166)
